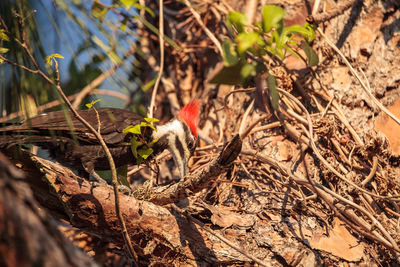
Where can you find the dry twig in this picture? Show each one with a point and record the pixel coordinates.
(205, 29)
(160, 72)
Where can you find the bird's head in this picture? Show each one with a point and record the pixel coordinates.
(180, 135)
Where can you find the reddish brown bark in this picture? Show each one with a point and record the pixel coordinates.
(29, 237)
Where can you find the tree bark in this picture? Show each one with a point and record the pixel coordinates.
(29, 237)
(159, 234)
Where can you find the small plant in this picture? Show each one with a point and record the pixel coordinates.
(243, 56)
(141, 149)
(3, 37)
(49, 59)
(90, 106)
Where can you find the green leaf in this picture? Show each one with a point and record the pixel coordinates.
(3, 50)
(146, 124)
(153, 142)
(139, 160)
(98, 11)
(273, 92)
(291, 51)
(151, 120)
(229, 53)
(311, 30)
(227, 75)
(152, 127)
(312, 57)
(271, 16)
(249, 40)
(248, 70)
(124, 23)
(238, 19)
(100, 43)
(4, 36)
(275, 51)
(49, 59)
(145, 153)
(128, 3)
(110, 52)
(122, 174)
(56, 55)
(132, 129)
(91, 104)
(149, 84)
(280, 38)
(134, 145)
(307, 31)
(298, 29)
(141, 7)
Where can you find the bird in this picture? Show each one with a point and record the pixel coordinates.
(70, 143)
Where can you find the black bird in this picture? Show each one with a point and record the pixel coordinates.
(72, 144)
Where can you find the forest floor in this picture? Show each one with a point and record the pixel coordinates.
(369, 37)
(305, 228)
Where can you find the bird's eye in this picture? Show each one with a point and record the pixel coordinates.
(191, 145)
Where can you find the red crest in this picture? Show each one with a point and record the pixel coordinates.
(190, 114)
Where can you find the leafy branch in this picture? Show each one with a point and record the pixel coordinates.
(141, 148)
(243, 54)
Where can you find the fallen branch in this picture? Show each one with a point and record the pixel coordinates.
(334, 12)
(201, 179)
(154, 230)
(20, 214)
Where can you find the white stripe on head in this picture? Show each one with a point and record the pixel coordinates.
(177, 145)
(174, 126)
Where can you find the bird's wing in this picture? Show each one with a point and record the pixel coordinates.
(112, 122)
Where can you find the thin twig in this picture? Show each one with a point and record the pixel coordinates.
(315, 7)
(18, 65)
(92, 85)
(100, 79)
(245, 116)
(247, 131)
(372, 172)
(160, 72)
(112, 167)
(205, 29)
(234, 92)
(338, 10)
(266, 127)
(251, 9)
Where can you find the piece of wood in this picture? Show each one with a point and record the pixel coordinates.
(29, 236)
(158, 234)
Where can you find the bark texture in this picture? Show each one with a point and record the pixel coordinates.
(159, 233)
(29, 237)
